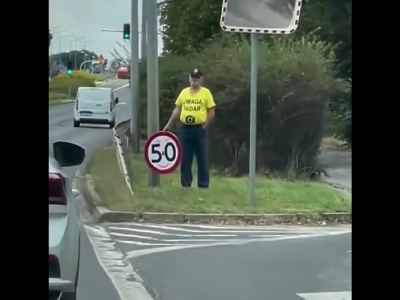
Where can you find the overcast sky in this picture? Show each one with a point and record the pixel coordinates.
(86, 18)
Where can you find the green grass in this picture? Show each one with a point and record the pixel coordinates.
(228, 195)
(57, 98)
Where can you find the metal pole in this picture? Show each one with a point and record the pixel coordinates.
(143, 50)
(59, 49)
(70, 49)
(135, 126)
(76, 50)
(152, 78)
(51, 60)
(253, 119)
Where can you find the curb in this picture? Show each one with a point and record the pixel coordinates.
(121, 157)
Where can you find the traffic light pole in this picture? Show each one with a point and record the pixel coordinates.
(135, 113)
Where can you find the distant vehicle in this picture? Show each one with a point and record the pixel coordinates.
(96, 71)
(64, 222)
(123, 73)
(95, 105)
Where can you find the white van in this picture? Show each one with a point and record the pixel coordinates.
(95, 105)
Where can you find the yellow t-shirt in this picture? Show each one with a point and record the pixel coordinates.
(194, 107)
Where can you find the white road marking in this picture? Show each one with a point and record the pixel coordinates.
(170, 228)
(326, 296)
(168, 240)
(146, 244)
(125, 280)
(169, 234)
(266, 235)
(141, 252)
(120, 87)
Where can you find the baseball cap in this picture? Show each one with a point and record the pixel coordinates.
(196, 73)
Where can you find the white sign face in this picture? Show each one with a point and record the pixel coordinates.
(260, 16)
(163, 152)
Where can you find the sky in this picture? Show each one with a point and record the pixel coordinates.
(86, 19)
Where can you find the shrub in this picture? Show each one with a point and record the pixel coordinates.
(82, 74)
(296, 80)
(63, 84)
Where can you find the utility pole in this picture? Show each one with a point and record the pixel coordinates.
(152, 78)
(134, 39)
(143, 49)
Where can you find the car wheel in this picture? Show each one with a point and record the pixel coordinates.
(112, 124)
(76, 123)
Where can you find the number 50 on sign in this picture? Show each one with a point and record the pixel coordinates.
(163, 152)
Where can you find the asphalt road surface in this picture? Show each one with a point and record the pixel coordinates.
(196, 262)
(93, 281)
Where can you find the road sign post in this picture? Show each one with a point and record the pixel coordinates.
(258, 17)
(163, 152)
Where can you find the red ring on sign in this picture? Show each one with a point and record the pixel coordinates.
(178, 155)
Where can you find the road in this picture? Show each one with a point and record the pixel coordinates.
(196, 262)
(201, 262)
(93, 281)
(338, 166)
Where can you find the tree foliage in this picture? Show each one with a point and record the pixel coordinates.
(190, 25)
(297, 78)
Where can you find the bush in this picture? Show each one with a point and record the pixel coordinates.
(82, 74)
(295, 83)
(61, 85)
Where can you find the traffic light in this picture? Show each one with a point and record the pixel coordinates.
(69, 68)
(127, 31)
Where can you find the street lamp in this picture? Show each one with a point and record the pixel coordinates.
(54, 33)
(59, 43)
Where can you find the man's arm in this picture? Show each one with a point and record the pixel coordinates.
(174, 116)
(210, 104)
(175, 113)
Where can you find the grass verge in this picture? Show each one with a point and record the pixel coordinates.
(226, 195)
(57, 98)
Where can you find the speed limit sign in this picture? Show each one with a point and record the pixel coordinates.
(163, 152)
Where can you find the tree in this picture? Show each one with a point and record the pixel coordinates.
(188, 24)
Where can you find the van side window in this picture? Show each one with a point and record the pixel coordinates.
(77, 96)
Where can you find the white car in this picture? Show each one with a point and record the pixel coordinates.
(64, 223)
(95, 105)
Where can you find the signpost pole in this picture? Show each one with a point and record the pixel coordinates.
(234, 14)
(152, 79)
(253, 119)
(135, 130)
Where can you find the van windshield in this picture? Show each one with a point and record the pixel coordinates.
(94, 95)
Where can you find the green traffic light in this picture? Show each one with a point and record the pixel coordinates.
(69, 72)
(126, 36)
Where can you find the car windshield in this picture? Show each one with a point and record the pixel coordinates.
(94, 95)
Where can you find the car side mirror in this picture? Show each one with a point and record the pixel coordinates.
(116, 100)
(68, 154)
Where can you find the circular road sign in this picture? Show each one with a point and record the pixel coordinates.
(163, 152)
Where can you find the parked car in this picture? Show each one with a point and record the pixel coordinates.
(64, 222)
(95, 105)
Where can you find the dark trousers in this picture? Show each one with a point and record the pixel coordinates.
(194, 141)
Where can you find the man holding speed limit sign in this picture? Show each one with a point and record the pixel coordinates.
(195, 108)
